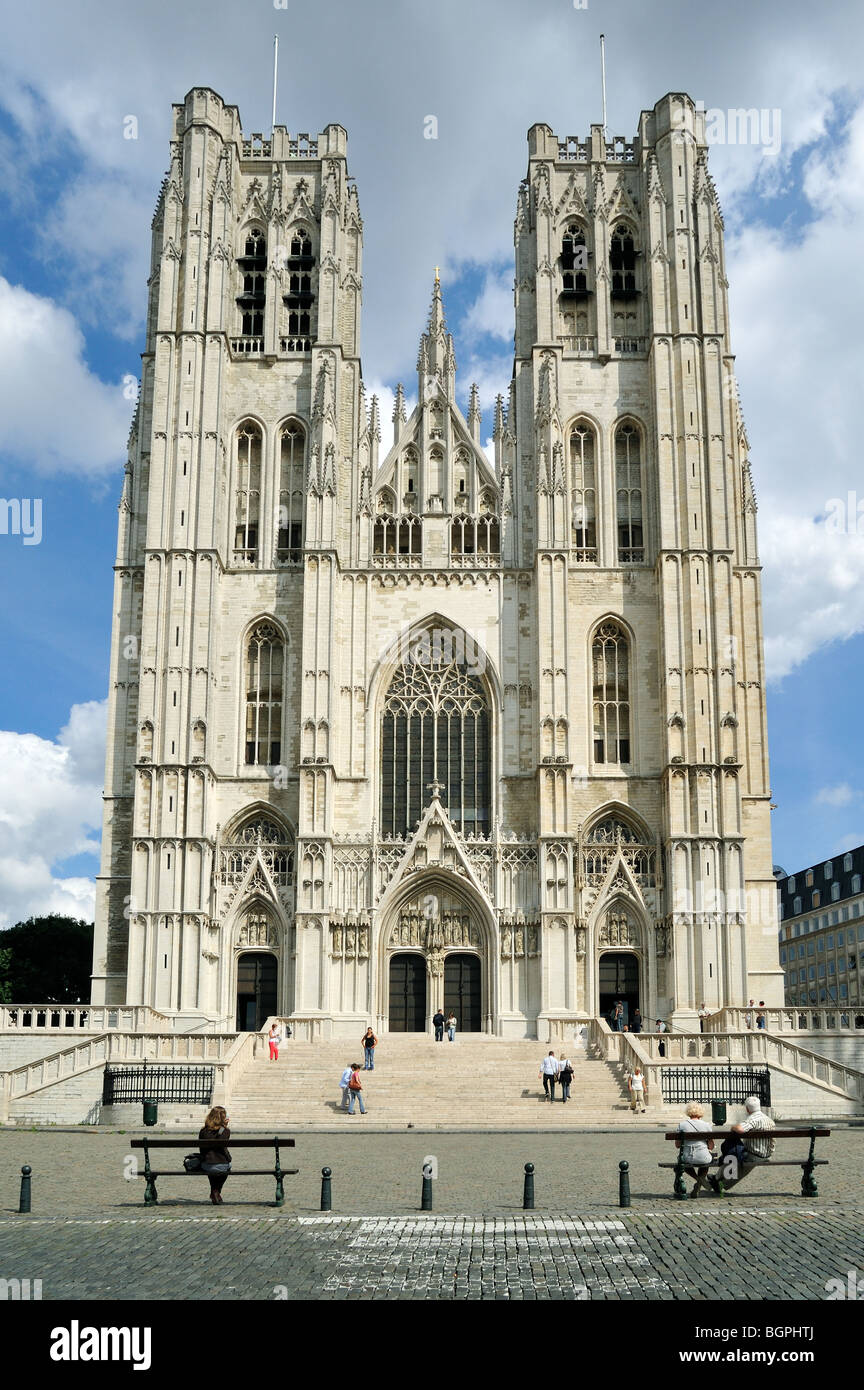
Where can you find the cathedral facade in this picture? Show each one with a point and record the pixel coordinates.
(396, 731)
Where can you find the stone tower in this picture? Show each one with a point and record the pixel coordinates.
(387, 734)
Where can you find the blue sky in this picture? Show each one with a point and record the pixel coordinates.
(74, 255)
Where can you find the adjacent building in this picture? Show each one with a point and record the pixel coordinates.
(822, 932)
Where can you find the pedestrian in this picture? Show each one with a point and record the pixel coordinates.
(747, 1144)
(212, 1146)
(616, 1017)
(369, 1042)
(636, 1022)
(355, 1089)
(343, 1085)
(748, 1017)
(274, 1038)
(565, 1077)
(760, 1021)
(451, 1026)
(703, 1014)
(438, 1024)
(636, 1087)
(549, 1073)
(697, 1153)
(660, 1027)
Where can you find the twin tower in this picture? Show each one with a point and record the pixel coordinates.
(389, 733)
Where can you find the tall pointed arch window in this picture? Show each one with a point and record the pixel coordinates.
(299, 296)
(265, 660)
(610, 661)
(251, 300)
(583, 481)
(247, 493)
(435, 730)
(622, 262)
(574, 263)
(292, 497)
(628, 494)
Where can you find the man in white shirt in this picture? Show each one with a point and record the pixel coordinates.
(343, 1086)
(748, 1144)
(549, 1073)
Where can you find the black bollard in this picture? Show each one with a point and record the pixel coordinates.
(326, 1197)
(623, 1183)
(528, 1189)
(426, 1195)
(24, 1200)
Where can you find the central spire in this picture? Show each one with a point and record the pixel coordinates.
(436, 363)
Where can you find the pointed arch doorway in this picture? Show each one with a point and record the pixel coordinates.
(407, 993)
(462, 990)
(618, 979)
(257, 989)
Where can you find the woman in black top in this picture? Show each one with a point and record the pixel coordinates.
(215, 1158)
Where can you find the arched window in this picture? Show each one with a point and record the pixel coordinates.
(264, 667)
(435, 730)
(584, 485)
(574, 263)
(628, 491)
(292, 497)
(397, 541)
(475, 540)
(610, 662)
(622, 263)
(299, 296)
(253, 293)
(257, 835)
(247, 494)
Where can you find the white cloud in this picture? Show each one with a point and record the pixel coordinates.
(841, 795)
(55, 414)
(50, 810)
(492, 311)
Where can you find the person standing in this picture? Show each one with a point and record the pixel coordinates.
(697, 1153)
(636, 1022)
(616, 1017)
(274, 1038)
(703, 1014)
(451, 1026)
(369, 1042)
(565, 1077)
(636, 1087)
(212, 1146)
(748, 1017)
(355, 1089)
(660, 1027)
(438, 1025)
(343, 1085)
(549, 1073)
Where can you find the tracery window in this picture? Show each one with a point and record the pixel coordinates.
(397, 540)
(610, 661)
(253, 271)
(247, 494)
(292, 498)
(574, 263)
(475, 540)
(264, 679)
(602, 844)
(622, 263)
(299, 294)
(258, 835)
(628, 490)
(584, 485)
(435, 729)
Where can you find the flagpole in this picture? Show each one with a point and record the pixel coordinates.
(603, 78)
(275, 71)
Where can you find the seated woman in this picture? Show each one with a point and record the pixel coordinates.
(697, 1152)
(215, 1158)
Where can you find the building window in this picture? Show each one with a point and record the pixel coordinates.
(611, 694)
(791, 884)
(628, 493)
(253, 293)
(808, 879)
(292, 496)
(622, 263)
(815, 901)
(796, 907)
(782, 956)
(835, 891)
(397, 540)
(299, 296)
(574, 263)
(583, 481)
(847, 863)
(264, 670)
(476, 538)
(856, 885)
(435, 729)
(828, 869)
(247, 494)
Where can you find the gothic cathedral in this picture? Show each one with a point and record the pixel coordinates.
(394, 733)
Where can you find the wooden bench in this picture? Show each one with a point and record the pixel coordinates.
(151, 1196)
(807, 1165)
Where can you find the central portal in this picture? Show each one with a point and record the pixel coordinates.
(619, 980)
(407, 993)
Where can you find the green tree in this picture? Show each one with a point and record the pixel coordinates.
(46, 960)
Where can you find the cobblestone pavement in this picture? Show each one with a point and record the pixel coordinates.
(90, 1237)
(81, 1173)
(742, 1254)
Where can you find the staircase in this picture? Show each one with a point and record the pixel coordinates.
(477, 1082)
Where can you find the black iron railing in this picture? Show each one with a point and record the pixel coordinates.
(734, 1084)
(126, 1085)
